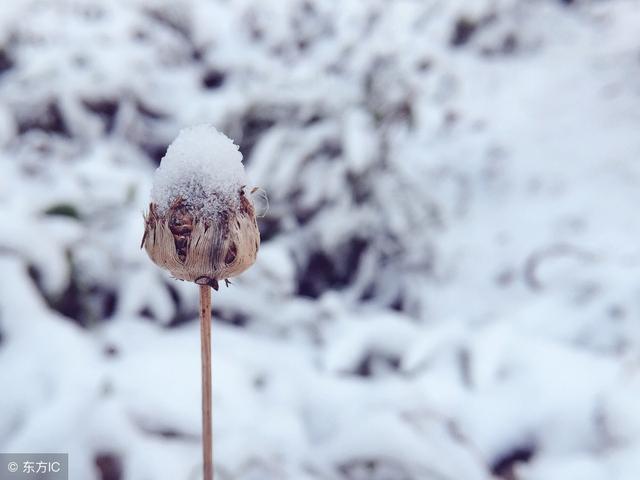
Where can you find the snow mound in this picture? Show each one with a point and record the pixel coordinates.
(204, 168)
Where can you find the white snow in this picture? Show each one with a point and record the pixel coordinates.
(203, 168)
(448, 277)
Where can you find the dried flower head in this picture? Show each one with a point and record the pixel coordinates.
(201, 224)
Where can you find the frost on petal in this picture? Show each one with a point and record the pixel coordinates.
(203, 167)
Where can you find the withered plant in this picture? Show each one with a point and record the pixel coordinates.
(201, 226)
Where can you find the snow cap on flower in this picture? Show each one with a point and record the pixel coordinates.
(203, 167)
(201, 225)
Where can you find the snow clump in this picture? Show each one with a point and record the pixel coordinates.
(203, 167)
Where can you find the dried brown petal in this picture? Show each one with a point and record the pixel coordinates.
(202, 250)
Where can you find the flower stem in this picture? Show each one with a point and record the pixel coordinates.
(205, 346)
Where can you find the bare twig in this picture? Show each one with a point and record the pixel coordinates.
(205, 344)
(537, 258)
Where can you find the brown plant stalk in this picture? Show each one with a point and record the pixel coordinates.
(205, 357)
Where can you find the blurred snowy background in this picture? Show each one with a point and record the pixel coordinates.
(449, 282)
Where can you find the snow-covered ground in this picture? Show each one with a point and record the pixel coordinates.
(448, 286)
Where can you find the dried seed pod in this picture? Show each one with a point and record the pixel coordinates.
(201, 226)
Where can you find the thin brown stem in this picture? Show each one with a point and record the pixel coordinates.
(205, 346)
